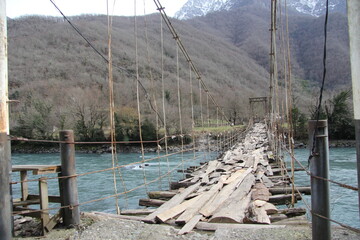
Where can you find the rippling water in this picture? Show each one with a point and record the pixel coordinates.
(344, 206)
(344, 202)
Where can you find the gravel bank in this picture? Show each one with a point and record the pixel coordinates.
(118, 229)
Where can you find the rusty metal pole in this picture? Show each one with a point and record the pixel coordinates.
(319, 167)
(5, 153)
(68, 186)
(354, 37)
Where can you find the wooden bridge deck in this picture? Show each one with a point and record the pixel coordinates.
(234, 189)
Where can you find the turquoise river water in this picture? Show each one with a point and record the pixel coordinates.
(344, 202)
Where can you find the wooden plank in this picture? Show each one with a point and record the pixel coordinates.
(136, 212)
(269, 208)
(190, 212)
(177, 185)
(260, 192)
(151, 202)
(239, 200)
(52, 199)
(53, 221)
(161, 194)
(27, 202)
(176, 210)
(177, 199)
(283, 199)
(109, 215)
(37, 169)
(208, 209)
(24, 185)
(44, 204)
(283, 190)
(215, 226)
(259, 214)
(190, 225)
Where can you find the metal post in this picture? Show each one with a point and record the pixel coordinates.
(5, 194)
(319, 166)
(69, 191)
(354, 36)
(5, 155)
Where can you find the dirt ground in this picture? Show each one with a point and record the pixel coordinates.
(119, 229)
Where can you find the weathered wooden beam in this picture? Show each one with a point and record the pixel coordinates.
(177, 185)
(283, 199)
(284, 190)
(151, 202)
(215, 226)
(137, 212)
(188, 227)
(161, 194)
(177, 199)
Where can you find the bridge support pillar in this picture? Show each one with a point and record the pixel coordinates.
(319, 167)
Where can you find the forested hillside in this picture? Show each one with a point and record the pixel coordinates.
(61, 83)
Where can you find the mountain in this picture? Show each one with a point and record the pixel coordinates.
(317, 7)
(60, 81)
(196, 8)
(247, 28)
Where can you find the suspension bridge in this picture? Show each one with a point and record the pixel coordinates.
(241, 185)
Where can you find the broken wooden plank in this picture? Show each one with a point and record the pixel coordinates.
(225, 192)
(188, 227)
(194, 209)
(259, 214)
(260, 192)
(176, 210)
(239, 200)
(177, 199)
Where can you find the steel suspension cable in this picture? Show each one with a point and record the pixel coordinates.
(167, 21)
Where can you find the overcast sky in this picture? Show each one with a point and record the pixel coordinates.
(16, 8)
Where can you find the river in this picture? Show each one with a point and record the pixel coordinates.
(344, 202)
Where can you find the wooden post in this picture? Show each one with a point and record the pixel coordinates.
(69, 191)
(319, 166)
(354, 37)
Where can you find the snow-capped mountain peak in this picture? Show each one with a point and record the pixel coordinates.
(195, 8)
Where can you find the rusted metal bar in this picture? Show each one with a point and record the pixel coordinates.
(319, 166)
(68, 186)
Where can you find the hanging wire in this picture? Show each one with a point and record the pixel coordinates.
(163, 95)
(112, 108)
(192, 111)
(122, 69)
(154, 92)
(138, 94)
(318, 109)
(179, 108)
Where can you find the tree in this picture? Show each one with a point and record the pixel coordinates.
(299, 121)
(338, 113)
